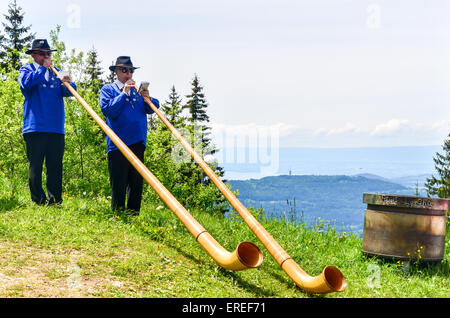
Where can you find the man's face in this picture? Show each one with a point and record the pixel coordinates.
(40, 56)
(124, 74)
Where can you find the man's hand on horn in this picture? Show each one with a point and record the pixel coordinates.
(128, 84)
(145, 93)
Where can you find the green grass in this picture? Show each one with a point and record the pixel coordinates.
(83, 249)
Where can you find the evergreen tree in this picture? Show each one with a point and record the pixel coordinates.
(198, 118)
(200, 140)
(440, 186)
(112, 75)
(93, 71)
(197, 103)
(172, 108)
(2, 53)
(18, 36)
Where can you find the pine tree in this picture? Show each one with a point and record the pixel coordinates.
(440, 186)
(2, 53)
(93, 71)
(198, 117)
(172, 108)
(112, 75)
(18, 36)
(197, 103)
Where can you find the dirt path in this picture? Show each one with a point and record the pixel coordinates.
(30, 271)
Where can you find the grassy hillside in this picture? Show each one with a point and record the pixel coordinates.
(82, 249)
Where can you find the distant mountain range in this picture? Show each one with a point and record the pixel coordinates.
(407, 181)
(335, 198)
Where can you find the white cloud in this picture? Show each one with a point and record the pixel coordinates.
(392, 127)
(348, 128)
(282, 129)
(395, 127)
(393, 132)
(440, 125)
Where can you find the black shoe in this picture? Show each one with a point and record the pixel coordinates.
(40, 202)
(132, 212)
(53, 202)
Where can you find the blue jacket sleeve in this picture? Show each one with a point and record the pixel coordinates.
(110, 104)
(148, 109)
(29, 78)
(65, 91)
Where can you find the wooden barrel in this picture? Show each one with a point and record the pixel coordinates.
(404, 227)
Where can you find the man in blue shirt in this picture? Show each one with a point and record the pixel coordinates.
(43, 122)
(126, 113)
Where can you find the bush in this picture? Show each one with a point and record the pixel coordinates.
(13, 161)
(179, 174)
(85, 160)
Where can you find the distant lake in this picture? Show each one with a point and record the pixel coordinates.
(387, 162)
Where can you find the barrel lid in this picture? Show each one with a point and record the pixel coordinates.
(404, 201)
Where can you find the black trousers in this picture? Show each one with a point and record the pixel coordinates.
(125, 181)
(49, 147)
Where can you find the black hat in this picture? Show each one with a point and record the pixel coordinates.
(123, 61)
(39, 45)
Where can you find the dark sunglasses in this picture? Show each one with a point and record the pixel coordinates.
(127, 69)
(42, 53)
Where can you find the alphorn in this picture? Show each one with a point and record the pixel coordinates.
(330, 280)
(246, 255)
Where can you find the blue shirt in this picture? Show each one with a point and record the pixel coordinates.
(43, 107)
(125, 114)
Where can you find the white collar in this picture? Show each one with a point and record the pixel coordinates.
(119, 84)
(36, 65)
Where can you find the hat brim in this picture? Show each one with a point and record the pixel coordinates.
(34, 50)
(112, 68)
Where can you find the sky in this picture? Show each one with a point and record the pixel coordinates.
(306, 73)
